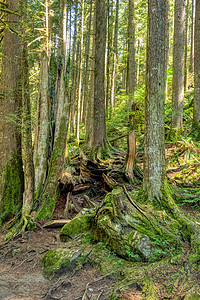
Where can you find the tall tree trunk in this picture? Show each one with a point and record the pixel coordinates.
(11, 172)
(154, 161)
(29, 174)
(41, 143)
(131, 47)
(99, 140)
(167, 46)
(80, 73)
(191, 68)
(86, 72)
(138, 61)
(114, 74)
(73, 72)
(131, 77)
(107, 85)
(186, 45)
(178, 65)
(49, 194)
(196, 108)
(89, 125)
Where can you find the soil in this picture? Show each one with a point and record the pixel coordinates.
(21, 274)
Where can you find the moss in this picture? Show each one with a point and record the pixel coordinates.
(12, 189)
(47, 206)
(81, 223)
(61, 260)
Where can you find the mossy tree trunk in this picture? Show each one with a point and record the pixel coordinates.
(11, 172)
(28, 195)
(49, 194)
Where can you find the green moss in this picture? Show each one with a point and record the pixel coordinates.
(12, 189)
(61, 259)
(47, 206)
(81, 223)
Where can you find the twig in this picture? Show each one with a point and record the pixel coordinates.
(100, 295)
(20, 264)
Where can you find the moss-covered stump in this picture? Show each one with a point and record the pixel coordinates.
(81, 223)
(133, 232)
(58, 261)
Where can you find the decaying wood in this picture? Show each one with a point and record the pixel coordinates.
(55, 223)
(131, 155)
(89, 202)
(67, 204)
(109, 181)
(119, 137)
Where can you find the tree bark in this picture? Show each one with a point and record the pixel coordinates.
(186, 45)
(11, 172)
(167, 46)
(29, 173)
(154, 161)
(41, 143)
(99, 76)
(114, 74)
(196, 108)
(178, 65)
(89, 126)
(80, 73)
(191, 68)
(131, 46)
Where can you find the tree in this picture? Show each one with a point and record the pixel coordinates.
(27, 144)
(191, 67)
(89, 128)
(186, 45)
(178, 65)
(154, 166)
(99, 141)
(131, 89)
(49, 193)
(196, 107)
(148, 226)
(11, 172)
(114, 73)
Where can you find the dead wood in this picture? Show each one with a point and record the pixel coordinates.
(89, 202)
(118, 138)
(66, 210)
(80, 189)
(131, 156)
(55, 223)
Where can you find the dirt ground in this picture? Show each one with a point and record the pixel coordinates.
(21, 274)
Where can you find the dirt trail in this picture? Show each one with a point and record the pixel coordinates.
(21, 274)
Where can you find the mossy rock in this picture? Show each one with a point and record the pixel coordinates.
(59, 261)
(81, 223)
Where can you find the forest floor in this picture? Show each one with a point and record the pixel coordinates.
(103, 275)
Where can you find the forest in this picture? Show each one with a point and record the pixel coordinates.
(99, 149)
